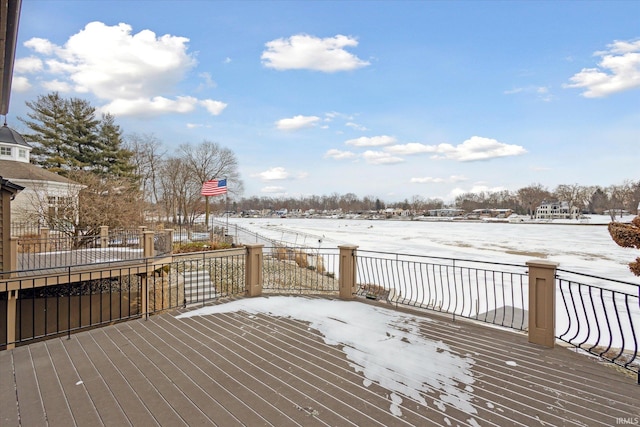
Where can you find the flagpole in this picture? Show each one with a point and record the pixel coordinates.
(226, 200)
(206, 210)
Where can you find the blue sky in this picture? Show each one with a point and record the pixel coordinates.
(384, 99)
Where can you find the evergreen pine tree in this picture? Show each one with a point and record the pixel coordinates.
(47, 120)
(82, 137)
(114, 160)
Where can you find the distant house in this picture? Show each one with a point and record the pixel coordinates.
(447, 212)
(491, 213)
(46, 194)
(556, 210)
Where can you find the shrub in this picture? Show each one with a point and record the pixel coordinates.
(627, 236)
(200, 247)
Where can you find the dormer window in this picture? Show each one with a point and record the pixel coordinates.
(5, 151)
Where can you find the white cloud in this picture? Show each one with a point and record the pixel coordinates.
(207, 81)
(273, 174)
(476, 148)
(339, 155)
(42, 46)
(20, 84)
(273, 189)
(426, 180)
(514, 91)
(297, 122)
(213, 107)
(132, 72)
(457, 178)
(150, 107)
(30, 64)
(303, 51)
(56, 86)
(542, 92)
(196, 125)
(411, 148)
(373, 141)
(617, 71)
(432, 180)
(380, 158)
(476, 189)
(355, 126)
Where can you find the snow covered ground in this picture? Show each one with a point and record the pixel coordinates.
(579, 247)
(374, 340)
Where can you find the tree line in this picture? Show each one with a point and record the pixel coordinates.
(129, 179)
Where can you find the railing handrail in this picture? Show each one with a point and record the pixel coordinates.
(454, 260)
(591, 276)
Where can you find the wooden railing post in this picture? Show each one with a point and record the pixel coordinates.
(347, 271)
(253, 270)
(12, 300)
(144, 294)
(148, 250)
(542, 302)
(169, 237)
(104, 236)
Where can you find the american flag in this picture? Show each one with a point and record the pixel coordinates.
(214, 187)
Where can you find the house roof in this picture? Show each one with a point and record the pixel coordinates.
(20, 170)
(6, 185)
(10, 136)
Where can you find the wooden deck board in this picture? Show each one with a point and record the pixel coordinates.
(233, 369)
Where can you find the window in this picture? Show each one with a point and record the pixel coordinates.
(22, 153)
(5, 151)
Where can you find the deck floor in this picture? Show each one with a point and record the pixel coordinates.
(233, 369)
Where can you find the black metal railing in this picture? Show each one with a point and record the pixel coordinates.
(69, 301)
(58, 251)
(495, 293)
(63, 251)
(600, 316)
(289, 269)
(206, 276)
(73, 299)
(595, 314)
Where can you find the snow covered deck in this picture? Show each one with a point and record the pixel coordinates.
(307, 361)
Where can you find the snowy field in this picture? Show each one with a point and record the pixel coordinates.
(582, 248)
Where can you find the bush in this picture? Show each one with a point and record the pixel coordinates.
(628, 236)
(183, 248)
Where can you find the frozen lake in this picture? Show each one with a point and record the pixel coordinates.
(581, 248)
(586, 249)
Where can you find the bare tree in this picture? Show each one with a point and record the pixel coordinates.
(208, 160)
(147, 158)
(111, 201)
(532, 196)
(575, 195)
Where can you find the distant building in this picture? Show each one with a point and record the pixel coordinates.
(46, 194)
(448, 212)
(556, 210)
(490, 213)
